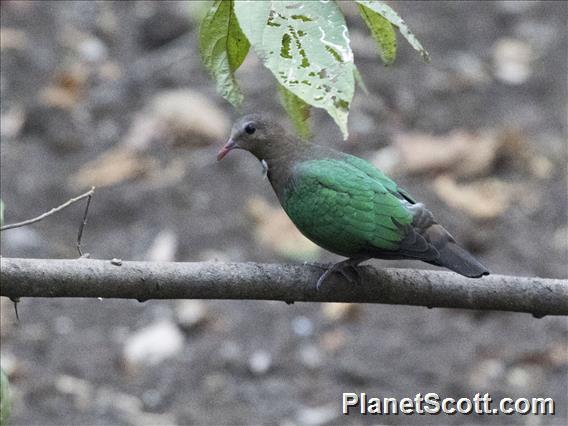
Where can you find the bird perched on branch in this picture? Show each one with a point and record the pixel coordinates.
(345, 205)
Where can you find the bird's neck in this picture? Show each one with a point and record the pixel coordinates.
(278, 172)
(280, 164)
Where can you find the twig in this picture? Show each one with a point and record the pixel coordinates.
(288, 283)
(84, 222)
(15, 301)
(49, 213)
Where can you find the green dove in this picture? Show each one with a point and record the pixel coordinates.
(346, 205)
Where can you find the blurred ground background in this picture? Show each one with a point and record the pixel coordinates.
(113, 94)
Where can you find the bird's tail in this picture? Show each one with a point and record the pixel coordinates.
(453, 256)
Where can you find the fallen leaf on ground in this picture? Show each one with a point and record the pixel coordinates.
(341, 311)
(276, 231)
(181, 117)
(515, 147)
(143, 131)
(168, 174)
(460, 153)
(190, 116)
(67, 89)
(483, 199)
(112, 167)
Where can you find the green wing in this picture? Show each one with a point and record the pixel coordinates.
(376, 174)
(346, 206)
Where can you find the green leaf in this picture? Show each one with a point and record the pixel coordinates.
(4, 399)
(305, 44)
(383, 33)
(360, 81)
(223, 48)
(298, 111)
(1, 213)
(198, 9)
(390, 15)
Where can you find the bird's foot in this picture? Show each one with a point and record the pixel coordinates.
(347, 268)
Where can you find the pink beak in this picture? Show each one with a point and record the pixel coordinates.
(225, 150)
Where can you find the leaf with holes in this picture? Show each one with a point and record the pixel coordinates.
(223, 48)
(390, 15)
(360, 81)
(305, 44)
(298, 111)
(383, 33)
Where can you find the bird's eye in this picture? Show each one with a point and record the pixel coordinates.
(250, 129)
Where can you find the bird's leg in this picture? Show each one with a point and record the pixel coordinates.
(348, 268)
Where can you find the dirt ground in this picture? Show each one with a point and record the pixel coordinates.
(80, 82)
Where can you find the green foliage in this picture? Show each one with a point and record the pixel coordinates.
(390, 15)
(383, 33)
(4, 399)
(198, 9)
(298, 111)
(360, 81)
(305, 44)
(223, 48)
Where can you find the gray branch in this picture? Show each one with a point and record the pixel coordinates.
(288, 283)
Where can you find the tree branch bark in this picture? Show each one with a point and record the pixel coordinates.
(288, 283)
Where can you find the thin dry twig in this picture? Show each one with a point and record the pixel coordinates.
(88, 194)
(84, 222)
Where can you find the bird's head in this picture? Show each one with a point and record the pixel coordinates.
(255, 133)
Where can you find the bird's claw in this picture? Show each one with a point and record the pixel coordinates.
(347, 268)
(351, 274)
(323, 277)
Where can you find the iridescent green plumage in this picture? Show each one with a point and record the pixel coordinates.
(344, 209)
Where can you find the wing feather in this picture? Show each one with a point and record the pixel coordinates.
(344, 209)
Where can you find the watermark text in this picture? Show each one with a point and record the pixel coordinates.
(432, 403)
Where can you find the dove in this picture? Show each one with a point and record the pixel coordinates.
(345, 205)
